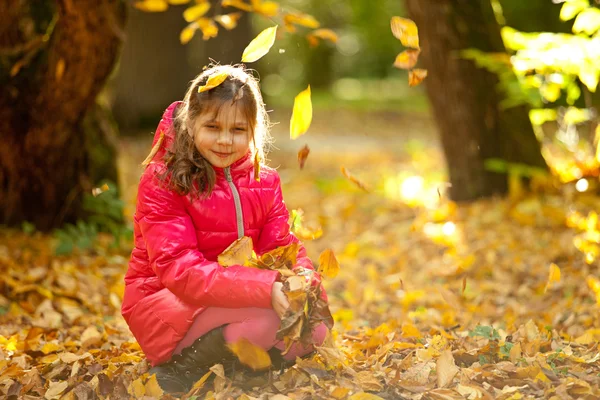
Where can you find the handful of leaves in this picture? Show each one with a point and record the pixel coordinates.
(307, 307)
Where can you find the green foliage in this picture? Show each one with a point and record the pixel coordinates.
(105, 214)
(516, 169)
(487, 332)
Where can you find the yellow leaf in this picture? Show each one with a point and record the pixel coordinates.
(353, 179)
(406, 31)
(571, 8)
(250, 354)
(257, 167)
(237, 253)
(446, 369)
(329, 266)
(56, 389)
(301, 19)
(364, 396)
(594, 284)
(325, 34)
(137, 388)
(588, 74)
(152, 388)
(237, 4)
(213, 81)
(339, 392)
(208, 27)
(587, 21)
(301, 114)
(200, 382)
(193, 13)
(553, 276)
(228, 21)
(152, 5)
(409, 330)
(265, 8)
(51, 348)
(178, 2)
(260, 45)
(407, 59)
(416, 76)
(188, 32)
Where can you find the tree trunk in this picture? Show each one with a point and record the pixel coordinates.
(464, 98)
(54, 59)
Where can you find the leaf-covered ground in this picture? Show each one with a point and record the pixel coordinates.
(495, 299)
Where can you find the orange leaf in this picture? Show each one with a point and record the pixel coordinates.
(250, 354)
(260, 45)
(407, 59)
(354, 180)
(302, 155)
(406, 31)
(195, 12)
(265, 8)
(152, 5)
(237, 253)
(329, 266)
(416, 76)
(325, 34)
(301, 19)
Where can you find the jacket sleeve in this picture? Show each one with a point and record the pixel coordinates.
(276, 231)
(171, 243)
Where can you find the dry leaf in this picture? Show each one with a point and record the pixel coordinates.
(301, 114)
(188, 33)
(154, 150)
(324, 34)
(56, 389)
(228, 21)
(238, 252)
(265, 8)
(416, 76)
(329, 266)
(208, 27)
(305, 20)
(406, 31)
(250, 354)
(446, 369)
(257, 167)
(178, 2)
(260, 45)
(193, 13)
(237, 4)
(213, 81)
(152, 388)
(353, 179)
(302, 155)
(407, 59)
(553, 276)
(152, 5)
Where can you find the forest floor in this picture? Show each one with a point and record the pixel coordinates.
(495, 299)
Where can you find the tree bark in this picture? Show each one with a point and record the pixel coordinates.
(464, 98)
(54, 59)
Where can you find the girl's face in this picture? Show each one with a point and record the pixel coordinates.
(222, 138)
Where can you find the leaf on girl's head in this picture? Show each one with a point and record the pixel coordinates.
(416, 76)
(329, 266)
(325, 34)
(301, 114)
(237, 4)
(265, 8)
(228, 21)
(260, 45)
(353, 179)
(213, 81)
(154, 150)
(301, 19)
(188, 33)
(407, 59)
(257, 167)
(406, 31)
(553, 276)
(302, 155)
(151, 5)
(237, 253)
(193, 13)
(250, 354)
(100, 190)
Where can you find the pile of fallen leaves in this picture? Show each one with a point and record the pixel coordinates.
(496, 299)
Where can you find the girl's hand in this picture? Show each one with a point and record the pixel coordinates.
(279, 301)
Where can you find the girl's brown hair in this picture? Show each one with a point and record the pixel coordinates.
(188, 172)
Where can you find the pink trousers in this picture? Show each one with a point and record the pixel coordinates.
(258, 325)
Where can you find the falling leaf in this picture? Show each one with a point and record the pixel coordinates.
(301, 19)
(208, 27)
(464, 285)
(188, 32)
(302, 155)
(416, 76)
(154, 150)
(228, 21)
(324, 34)
(329, 266)
(353, 179)
(100, 190)
(265, 8)
(407, 59)
(237, 253)
(193, 13)
(237, 4)
(301, 114)
(213, 81)
(152, 5)
(250, 354)
(446, 369)
(406, 31)
(260, 45)
(60, 69)
(553, 276)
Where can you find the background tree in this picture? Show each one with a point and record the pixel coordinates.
(466, 106)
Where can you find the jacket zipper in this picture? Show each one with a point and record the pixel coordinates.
(238, 204)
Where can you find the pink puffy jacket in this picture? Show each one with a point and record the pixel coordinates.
(173, 274)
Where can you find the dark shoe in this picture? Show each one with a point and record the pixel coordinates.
(277, 360)
(183, 370)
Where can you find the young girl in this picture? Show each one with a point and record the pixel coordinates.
(199, 193)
